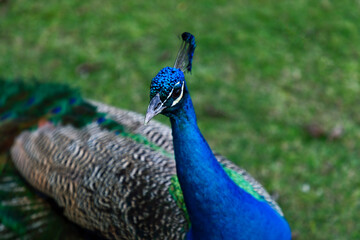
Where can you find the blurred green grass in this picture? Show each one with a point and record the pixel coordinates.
(262, 71)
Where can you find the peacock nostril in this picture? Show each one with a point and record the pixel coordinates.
(158, 106)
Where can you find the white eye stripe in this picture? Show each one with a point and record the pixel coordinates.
(172, 91)
(179, 98)
(178, 83)
(169, 95)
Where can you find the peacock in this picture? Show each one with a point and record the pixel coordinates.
(118, 178)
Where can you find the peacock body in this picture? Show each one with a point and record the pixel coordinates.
(115, 176)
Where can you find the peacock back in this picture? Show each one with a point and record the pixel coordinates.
(108, 172)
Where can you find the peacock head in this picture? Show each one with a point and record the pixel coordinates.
(168, 86)
(166, 92)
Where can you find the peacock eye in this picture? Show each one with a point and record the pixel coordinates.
(176, 93)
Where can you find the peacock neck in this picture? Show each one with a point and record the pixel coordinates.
(217, 207)
(207, 189)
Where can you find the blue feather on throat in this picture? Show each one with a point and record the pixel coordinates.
(217, 206)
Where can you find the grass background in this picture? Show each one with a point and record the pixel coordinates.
(262, 71)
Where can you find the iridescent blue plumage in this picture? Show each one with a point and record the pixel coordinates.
(217, 207)
(164, 82)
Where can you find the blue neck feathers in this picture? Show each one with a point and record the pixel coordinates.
(217, 207)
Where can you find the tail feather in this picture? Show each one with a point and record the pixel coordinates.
(23, 106)
(22, 213)
(26, 214)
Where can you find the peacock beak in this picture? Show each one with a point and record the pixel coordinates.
(155, 107)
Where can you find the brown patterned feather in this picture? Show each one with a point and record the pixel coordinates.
(106, 182)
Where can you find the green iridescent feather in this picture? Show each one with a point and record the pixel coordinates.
(23, 105)
(176, 193)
